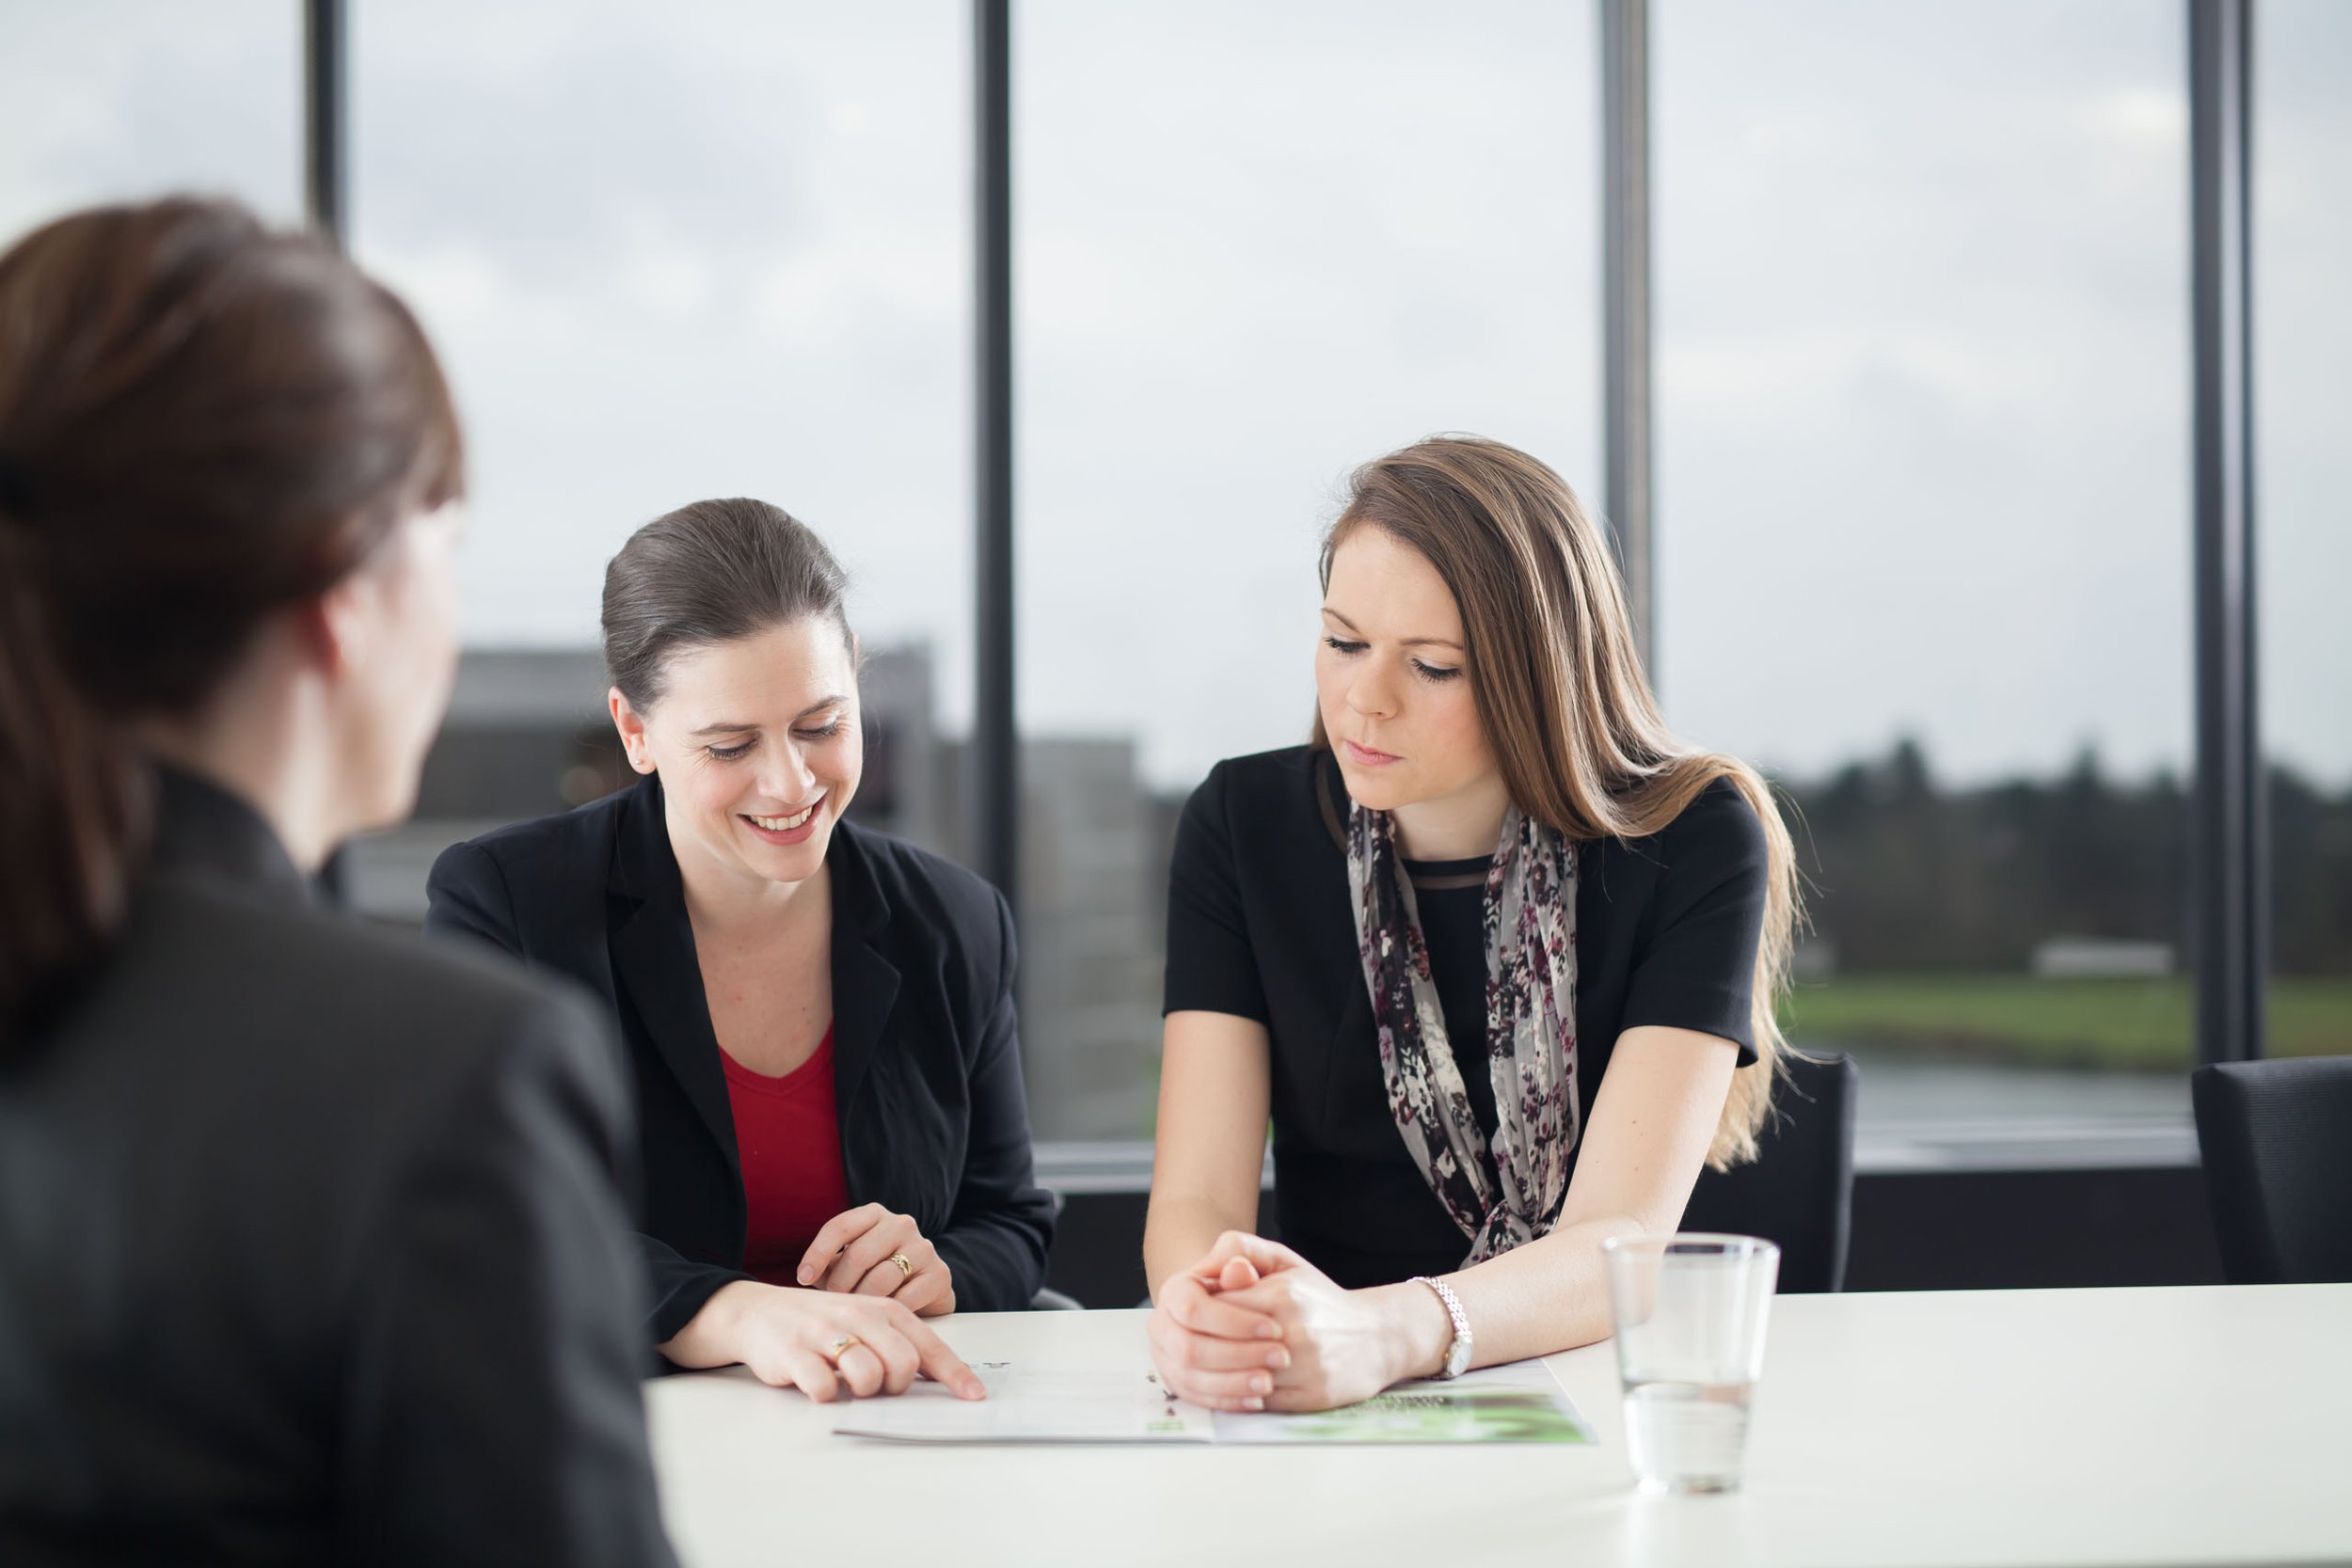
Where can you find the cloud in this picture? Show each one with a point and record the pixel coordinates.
(1922, 369)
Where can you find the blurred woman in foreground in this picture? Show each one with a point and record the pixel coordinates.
(310, 1246)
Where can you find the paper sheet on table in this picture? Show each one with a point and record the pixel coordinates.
(1032, 1403)
(1520, 1402)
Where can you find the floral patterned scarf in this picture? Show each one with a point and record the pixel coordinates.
(1531, 1029)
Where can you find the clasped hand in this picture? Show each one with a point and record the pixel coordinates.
(1255, 1326)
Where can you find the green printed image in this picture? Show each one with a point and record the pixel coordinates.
(1425, 1415)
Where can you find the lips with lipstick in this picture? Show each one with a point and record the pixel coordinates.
(791, 828)
(1364, 756)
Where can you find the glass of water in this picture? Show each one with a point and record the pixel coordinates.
(1690, 1313)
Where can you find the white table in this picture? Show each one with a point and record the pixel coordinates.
(2130, 1426)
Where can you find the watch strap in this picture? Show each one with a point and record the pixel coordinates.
(1457, 1355)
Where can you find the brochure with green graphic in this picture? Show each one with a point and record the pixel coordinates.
(1520, 1402)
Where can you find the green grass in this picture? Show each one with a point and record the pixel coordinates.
(2028, 1021)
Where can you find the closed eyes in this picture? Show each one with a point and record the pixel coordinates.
(737, 752)
(1434, 674)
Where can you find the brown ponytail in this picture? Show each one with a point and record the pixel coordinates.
(711, 571)
(69, 811)
(201, 422)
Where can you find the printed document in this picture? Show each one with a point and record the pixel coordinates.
(1520, 1402)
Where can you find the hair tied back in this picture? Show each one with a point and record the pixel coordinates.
(16, 493)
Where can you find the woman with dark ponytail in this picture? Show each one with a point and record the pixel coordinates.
(309, 1250)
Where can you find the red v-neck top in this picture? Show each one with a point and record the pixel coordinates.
(789, 1135)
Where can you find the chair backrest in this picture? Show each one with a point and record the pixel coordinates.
(2277, 1142)
(1800, 1192)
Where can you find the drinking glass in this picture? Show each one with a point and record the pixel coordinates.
(1690, 1313)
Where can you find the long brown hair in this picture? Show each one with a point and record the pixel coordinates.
(1568, 710)
(202, 421)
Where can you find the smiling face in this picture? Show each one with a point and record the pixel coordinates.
(757, 744)
(1393, 683)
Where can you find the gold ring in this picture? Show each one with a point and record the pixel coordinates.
(906, 1270)
(834, 1351)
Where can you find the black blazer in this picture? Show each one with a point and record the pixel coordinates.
(927, 1058)
(309, 1245)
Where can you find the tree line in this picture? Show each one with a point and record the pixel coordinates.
(1905, 875)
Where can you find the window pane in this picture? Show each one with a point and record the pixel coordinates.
(1271, 243)
(1923, 533)
(675, 252)
(2303, 408)
(132, 97)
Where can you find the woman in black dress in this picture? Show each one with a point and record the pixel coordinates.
(1496, 955)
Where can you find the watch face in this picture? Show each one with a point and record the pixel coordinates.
(1457, 1358)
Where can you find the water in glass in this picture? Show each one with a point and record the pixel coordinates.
(1690, 1312)
(1687, 1436)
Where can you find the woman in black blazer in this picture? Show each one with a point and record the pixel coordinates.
(820, 1017)
(312, 1250)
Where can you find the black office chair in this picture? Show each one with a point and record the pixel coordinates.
(1049, 1299)
(2277, 1142)
(1800, 1193)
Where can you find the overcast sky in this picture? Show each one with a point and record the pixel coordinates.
(1923, 354)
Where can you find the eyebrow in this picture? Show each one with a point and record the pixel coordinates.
(1410, 641)
(814, 708)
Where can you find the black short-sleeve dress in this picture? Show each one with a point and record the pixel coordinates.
(1259, 926)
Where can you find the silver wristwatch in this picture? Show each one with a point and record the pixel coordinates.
(1457, 1355)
